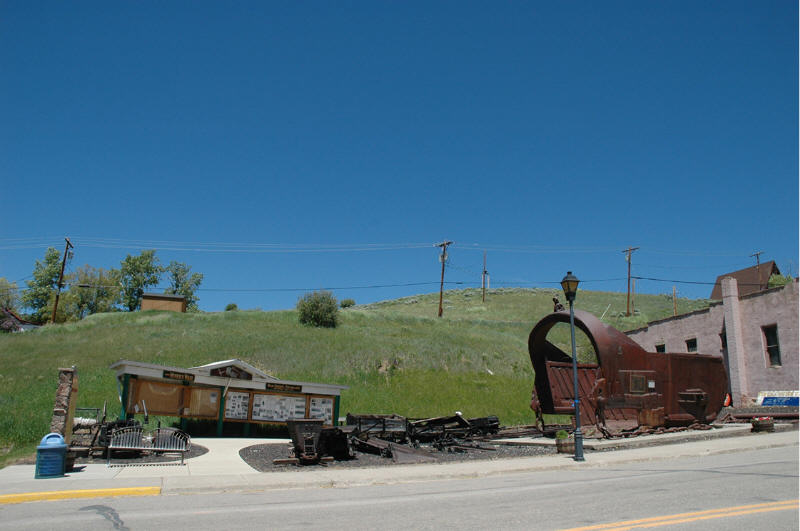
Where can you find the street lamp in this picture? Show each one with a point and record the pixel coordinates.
(570, 286)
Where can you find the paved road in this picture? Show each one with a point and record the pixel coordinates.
(746, 490)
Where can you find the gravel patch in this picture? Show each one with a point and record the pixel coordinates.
(121, 457)
(260, 456)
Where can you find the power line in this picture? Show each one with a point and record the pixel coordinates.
(689, 281)
(243, 247)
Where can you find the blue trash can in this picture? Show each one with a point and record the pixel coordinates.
(51, 456)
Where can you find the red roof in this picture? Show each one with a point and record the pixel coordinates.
(750, 280)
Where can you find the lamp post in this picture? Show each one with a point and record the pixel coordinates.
(570, 286)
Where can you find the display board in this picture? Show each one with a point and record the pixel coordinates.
(236, 405)
(321, 408)
(183, 398)
(159, 398)
(204, 402)
(278, 407)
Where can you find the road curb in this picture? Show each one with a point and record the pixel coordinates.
(442, 472)
(253, 483)
(53, 495)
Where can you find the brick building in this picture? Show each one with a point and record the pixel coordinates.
(756, 334)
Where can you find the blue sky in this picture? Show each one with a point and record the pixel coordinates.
(279, 147)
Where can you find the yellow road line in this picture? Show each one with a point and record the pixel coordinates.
(693, 516)
(70, 494)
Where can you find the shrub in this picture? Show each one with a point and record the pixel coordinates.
(561, 434)
(231, 307)
(318, 309)
(346, 303)
(779, 280)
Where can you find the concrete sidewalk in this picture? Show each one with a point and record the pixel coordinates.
(222, 470)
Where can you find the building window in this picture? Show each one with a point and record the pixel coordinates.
(691, 345)
(771, 342)
(661, 348)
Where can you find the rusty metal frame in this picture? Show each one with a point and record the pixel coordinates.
(679, 388)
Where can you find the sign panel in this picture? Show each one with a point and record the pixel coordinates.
(175, 375)
(236, 405)
(780, 401)
(278, 408)
(283, 387)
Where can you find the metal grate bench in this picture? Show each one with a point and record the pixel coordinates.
(162, 440)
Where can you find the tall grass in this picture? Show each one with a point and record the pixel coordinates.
(397, 356)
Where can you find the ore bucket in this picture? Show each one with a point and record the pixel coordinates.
(305, 435)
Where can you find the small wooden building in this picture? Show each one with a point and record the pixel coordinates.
(225, 391)
(161, 301)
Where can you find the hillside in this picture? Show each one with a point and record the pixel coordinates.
(396, 356)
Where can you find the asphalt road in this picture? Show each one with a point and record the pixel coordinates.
(745, 490)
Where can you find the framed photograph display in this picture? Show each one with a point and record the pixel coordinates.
(321, 408)
(278, 408)
(236, 405)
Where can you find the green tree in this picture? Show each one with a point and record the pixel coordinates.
(347, 303)
(779, 280)
(318, 309)
(183, 282)
(231, 307)
(91, 291)
(41, 288)
(136, 274)
(9, 295)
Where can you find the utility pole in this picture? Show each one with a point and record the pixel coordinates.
(629, 250)
(633, 296)
(757, 256)
(443, 259)
(674, 302)
(483, 278)
(61, 277)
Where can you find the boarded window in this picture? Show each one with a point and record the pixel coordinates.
(637, 384)
(771, 342)
(661, 347)
(691, 345)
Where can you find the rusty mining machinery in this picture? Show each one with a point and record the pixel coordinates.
(627, 387)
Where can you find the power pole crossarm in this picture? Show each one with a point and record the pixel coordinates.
(443, 259)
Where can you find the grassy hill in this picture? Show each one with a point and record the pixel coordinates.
(396, 356)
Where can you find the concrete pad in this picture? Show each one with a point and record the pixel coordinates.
(223, 470)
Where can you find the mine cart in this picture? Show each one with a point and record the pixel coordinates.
(305, 434)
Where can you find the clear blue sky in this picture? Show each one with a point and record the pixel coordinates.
(300, 145)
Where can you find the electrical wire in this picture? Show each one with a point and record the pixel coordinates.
(242, 247)
(689, 281)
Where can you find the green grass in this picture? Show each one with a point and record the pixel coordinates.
(396, 356)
